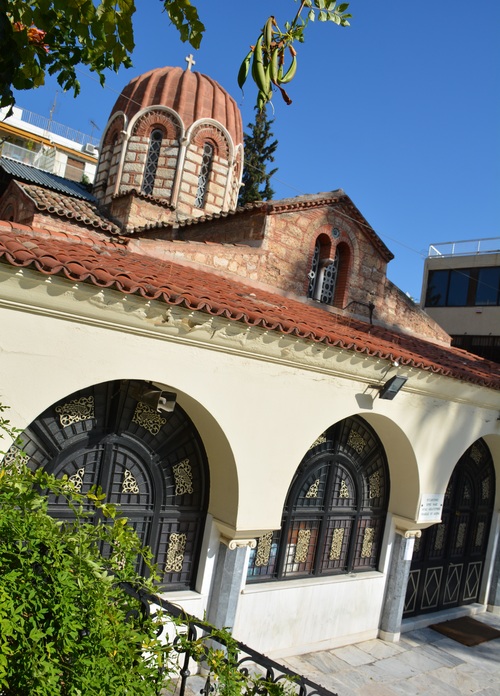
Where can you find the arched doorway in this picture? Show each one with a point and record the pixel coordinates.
(448, 559)
(152, 464)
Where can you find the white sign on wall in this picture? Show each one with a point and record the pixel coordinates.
(431, 507)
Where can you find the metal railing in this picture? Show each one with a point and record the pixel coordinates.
(271, 672)
(50, 126)
(44, 160)
(466, 247)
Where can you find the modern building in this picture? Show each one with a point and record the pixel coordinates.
(43, 143)
(307, 456)
(461, 291)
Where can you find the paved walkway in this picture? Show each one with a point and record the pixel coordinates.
(422, 663)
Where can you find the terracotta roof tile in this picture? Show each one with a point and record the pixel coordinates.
(338, 198)
(56, 203)
(108, 264)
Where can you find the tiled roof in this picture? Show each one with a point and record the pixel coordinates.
(77, 209)
(109, 264)
(32, 175)
(338, 198)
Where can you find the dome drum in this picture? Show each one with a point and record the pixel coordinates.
(172, 137)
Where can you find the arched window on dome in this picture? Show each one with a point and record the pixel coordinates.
(334, 516)
(155, 140)
(203, 178)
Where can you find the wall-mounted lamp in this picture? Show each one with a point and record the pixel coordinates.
(155, 398)
(392, 387)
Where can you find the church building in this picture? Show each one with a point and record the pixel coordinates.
(310, 460)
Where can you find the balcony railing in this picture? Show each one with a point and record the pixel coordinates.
(42, 159)
(466, 247)
(249, 661)
(50, 126)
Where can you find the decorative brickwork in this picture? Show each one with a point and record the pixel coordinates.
(165, 121)
(109, 158)
(215, 136)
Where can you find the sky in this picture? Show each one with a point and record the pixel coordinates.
(401, 110)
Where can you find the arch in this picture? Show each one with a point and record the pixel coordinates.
(449, 558)
(403, 466)
(146, 122)
(319, 263)
(109, 157)
(213, 133)
(334, 515)
(329, 269)
(152, 464)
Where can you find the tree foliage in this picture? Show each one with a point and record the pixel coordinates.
(266, 60)
(54, 37)
(258, 152)
(67, 626)
(71, 619)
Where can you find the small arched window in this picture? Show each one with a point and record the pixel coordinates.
(206, 168)
(334, 516)
(323, 273)
(152, 158)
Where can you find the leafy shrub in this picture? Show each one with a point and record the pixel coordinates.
(66, 625)
(71, 619)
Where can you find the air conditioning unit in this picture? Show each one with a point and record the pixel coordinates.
(89, 149)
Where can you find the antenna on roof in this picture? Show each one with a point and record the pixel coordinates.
(94, 126)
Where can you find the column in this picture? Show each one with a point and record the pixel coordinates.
(494, 593)
(228, 580)
(394, 601)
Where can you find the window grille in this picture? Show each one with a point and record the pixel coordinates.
(152, 161)
(323, 277)
(334, 516)
(155, 470)
(206, 167)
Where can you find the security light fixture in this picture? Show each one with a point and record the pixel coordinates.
(392, 387)
(156, 398)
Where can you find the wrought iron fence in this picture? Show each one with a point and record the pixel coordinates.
(248, 661)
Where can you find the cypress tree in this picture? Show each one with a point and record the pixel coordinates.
(258, 152)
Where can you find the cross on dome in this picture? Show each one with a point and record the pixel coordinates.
(190, 61)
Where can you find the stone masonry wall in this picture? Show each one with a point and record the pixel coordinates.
(135, 161)
(134, 211)
(278, 252)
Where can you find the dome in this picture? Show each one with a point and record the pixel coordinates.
(192, 95)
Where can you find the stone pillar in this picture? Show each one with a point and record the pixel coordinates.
(227, 582)
(392, 613)
(494, 593)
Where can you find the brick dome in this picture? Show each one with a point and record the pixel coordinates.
(192, 95)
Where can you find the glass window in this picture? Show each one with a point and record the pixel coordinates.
(437, 286)
(334, 516)
(152, 161)
(206, 167)
(488, 286)
(458, 288)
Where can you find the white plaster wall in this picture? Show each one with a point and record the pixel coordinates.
(481, 321)
(259, 400)
(256, 414)
(296, 616)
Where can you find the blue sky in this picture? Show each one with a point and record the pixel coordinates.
(401, 110)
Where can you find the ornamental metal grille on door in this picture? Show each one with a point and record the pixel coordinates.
(153, 465)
